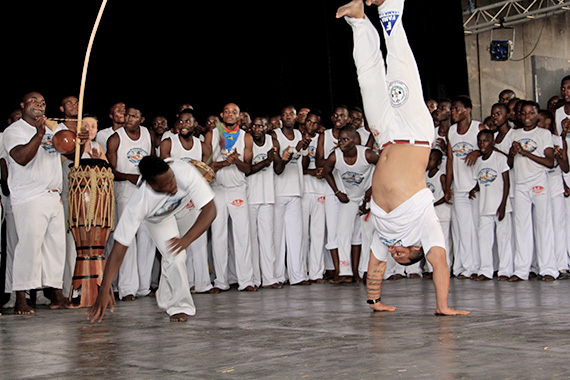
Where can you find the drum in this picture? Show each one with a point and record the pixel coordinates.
(90, 217)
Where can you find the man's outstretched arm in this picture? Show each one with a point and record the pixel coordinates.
(376, 269)
(436, 257)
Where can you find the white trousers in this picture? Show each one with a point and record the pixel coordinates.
(261, 219)
(135, 273)
(11, 242)
(288, 226)
(559, 229)
(39, 256)
(231, 204)
(173, 294)
(532, 207)
(491, 229)
(70, 255)
(465, 218)
(366, 232)
(197, 258)
(348, 234)
(314, 233)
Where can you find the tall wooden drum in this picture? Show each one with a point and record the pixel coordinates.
(90, 217)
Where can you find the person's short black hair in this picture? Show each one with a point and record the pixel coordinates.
(502, 105)
(465, 100)
(349, 129)
(316, 112)
(357, 109)
(486, 132)
(415, 256)
(438, 153)
(567, 77)
(151, 166)
(530, 103)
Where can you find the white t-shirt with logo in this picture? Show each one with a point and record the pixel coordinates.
(42, 173)
(461, 146)
(534, 141)
(489, 175)
(146, 204)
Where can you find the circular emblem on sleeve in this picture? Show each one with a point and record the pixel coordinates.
(398, 93)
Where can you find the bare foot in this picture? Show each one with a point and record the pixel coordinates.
(304, 282)
(152, 293)
(129, 297)
(354, 9)
(60, 302)
(250, 288)
(180, 317)
(450, 311)
(381, 307)
(23, 309)
(357, 279)
(341, 280)
(210, 291)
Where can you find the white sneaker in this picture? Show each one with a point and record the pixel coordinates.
(41, 299)
(11, 303)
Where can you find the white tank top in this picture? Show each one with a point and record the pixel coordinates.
(356, 178)
(311, 183)
(178, 152)
(130, 152)
(462, 145)
(330, 145)
(434, 184)
(260, 188)
(290, 182)
(229, 176)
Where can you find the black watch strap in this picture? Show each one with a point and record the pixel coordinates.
(372, 302)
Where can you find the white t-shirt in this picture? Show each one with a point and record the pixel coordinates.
(312, 184)
(290, 181)
(461, 146)
(146, 204)
(356, 178)
(534, 141)
(555, 182)
(489, 175)
(42, 173)
(260, 188)
(102, 137)
(560, 115)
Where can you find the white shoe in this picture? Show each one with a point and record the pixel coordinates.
(41, 299)
(11, 303)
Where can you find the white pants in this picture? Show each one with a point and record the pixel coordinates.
(366, 232)
(393, 97)
(11, 242)
(332, 205)
(289, 239)
(465, 218)
(173, 294)
(348, 234)
(489, 228)
(532, 206)
(262, 244)
(197, 258)
(231, 203)
(39, 256)
(70, 256)
(135, 272)
(559, 229)
(314, 233)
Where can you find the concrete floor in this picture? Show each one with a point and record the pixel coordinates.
(515, 331)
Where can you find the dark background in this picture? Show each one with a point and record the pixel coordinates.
(261, 55)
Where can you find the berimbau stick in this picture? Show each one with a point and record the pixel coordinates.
(83, 79)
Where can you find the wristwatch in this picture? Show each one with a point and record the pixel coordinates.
(372, 302)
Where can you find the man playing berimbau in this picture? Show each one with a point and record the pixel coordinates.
(402, 209)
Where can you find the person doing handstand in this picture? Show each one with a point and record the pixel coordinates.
(402, 209)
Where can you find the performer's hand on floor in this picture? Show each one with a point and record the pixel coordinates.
(381, 307)
(104, 301)
(450, 311)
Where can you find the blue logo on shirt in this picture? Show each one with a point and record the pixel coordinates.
(462, 149)
(168, 206)
(529, 145)
(135, 155)
(47, 143)
(388, 20)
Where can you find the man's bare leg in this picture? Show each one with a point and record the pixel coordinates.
(355, 257)
(22, 307)
(376, 269)
(437, 259)
(60, 302)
